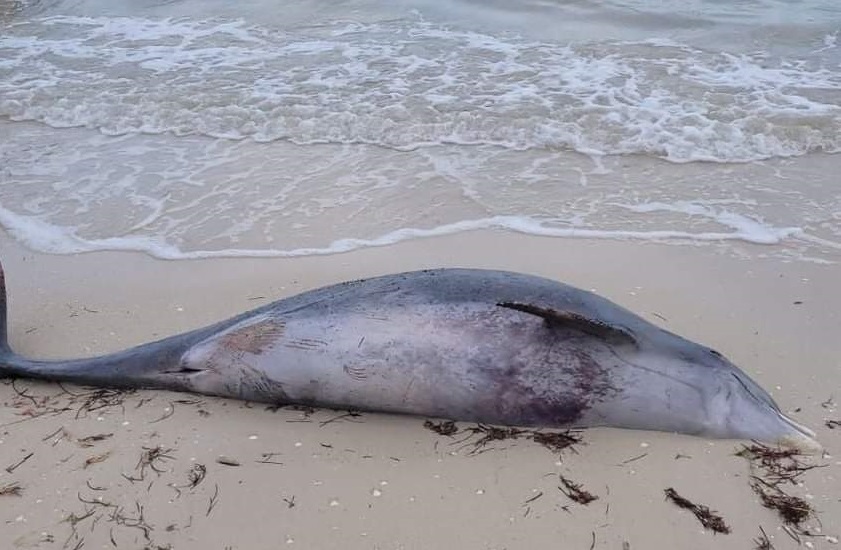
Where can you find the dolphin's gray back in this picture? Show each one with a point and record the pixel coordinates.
(462, 285)
(448, 286)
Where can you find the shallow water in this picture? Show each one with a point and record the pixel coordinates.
(188, 128)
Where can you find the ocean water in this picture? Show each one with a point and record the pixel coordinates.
(187, 128)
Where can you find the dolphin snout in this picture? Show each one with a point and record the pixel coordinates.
(755, 415)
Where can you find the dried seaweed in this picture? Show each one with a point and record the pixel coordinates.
(96, 501)
(793, 510)
(777, 467)
(24, 395)
(832, 424)
(91, 439)
(227, 461)
(61, 431)
(151, 457)
(93, 488)
(11, 468)
(11, 489)
(213, 501)
(709, 519)
(74, 521)
(491, 433)
(306, 409)
(532, 499)
(119, 517)
(266, 458)
(557, 441)
(169, 411)
(447, 427)
(99, 399)
(633, 459)
(96, 459)
(31, 407)
(554, 441)
(574, 492)
(762, 542)
(349, 414)
(196, 475)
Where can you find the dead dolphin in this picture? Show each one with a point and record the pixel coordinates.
(466, 344)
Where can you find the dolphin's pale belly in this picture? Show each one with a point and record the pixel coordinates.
(474, 362)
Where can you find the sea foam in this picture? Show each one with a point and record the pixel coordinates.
(408, 83)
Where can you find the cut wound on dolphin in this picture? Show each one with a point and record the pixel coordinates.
(575, 321)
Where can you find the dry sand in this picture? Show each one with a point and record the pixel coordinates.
(324, 481)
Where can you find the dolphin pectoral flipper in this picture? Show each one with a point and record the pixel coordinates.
(569, 319)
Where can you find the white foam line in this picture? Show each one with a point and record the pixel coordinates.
(755, 229)
(820, 242)
(44, 237)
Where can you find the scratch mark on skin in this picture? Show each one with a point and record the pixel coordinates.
(227, 370)
(253, 339)
(376, 317)
(655, 372)
(306, 344)
(356, 372)
(256, 338)
(408, 389)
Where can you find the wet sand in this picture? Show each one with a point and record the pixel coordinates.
(328, 480)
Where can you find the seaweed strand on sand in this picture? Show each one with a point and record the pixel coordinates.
(709, 519)
(773, 468)
(554, 441)
(574, 492)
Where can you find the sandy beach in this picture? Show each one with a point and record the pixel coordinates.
(153, 469)
(166, 165)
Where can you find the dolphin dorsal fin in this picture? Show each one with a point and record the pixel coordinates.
(572, 320)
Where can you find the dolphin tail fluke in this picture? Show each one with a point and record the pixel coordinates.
(8, 358)
(4, 341)
(10, 362)
(146, 365)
